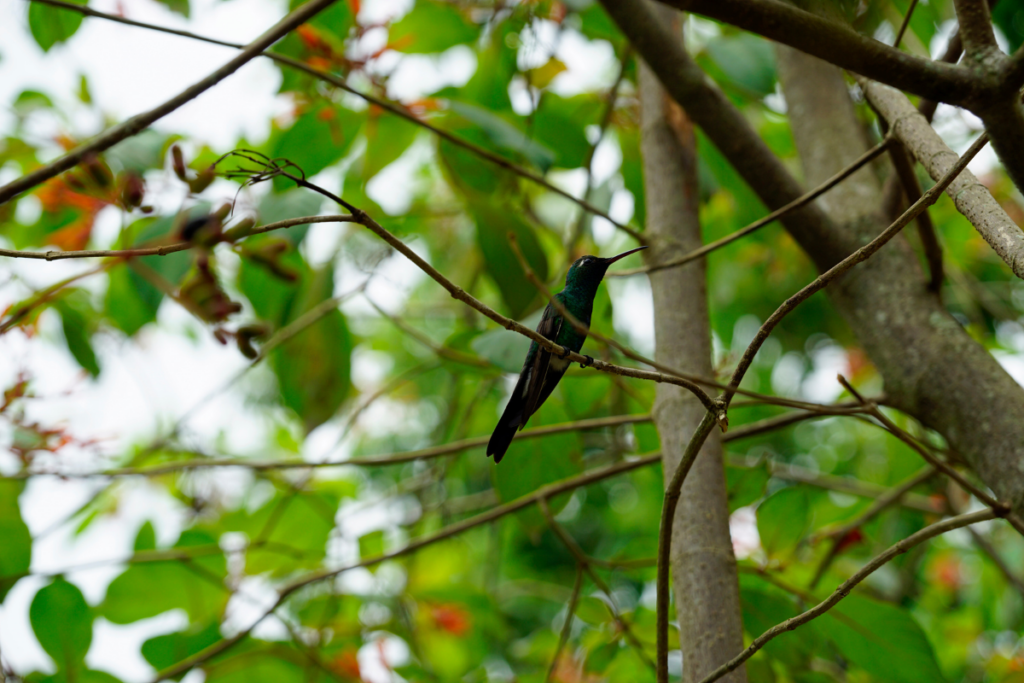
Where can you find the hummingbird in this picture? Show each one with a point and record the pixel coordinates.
(542, 369)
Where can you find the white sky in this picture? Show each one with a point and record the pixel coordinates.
(149, 383)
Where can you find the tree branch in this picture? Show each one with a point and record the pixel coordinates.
(862, 254)
(971, 198)
(163, 250)
(583, 561)
(837, 44)
(781, 212)
(976, 32)
(455, 529)
(391, 107)
(844, 589)
(140, 122)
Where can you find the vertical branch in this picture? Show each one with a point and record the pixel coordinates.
(570, 612)
(694, 537)
(975, 28)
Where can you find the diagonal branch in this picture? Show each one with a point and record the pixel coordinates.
(393, 108)
(971, 198)
(583, 561)
(859, 256)
(775, 215)
(454, 530)
(140, 122)
(844, 589)
(837, 44)
(976, 30)
(165, 249)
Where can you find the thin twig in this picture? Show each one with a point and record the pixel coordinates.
(693, 448)
(588, 163)
(570, 613)
(484, 518)
(668, 512)
(582, 560)
(993, 554)
(165, 249)
(881, 503)
(140, 122)
(372, 461)
(844, 589)
(391, 107)
(775, 215)
(862, 254)
(831, 482)
(905, 24)
(274, 168)
(441, 350)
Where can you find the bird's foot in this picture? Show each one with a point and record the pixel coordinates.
(588, 363)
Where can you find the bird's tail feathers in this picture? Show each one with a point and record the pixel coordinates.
(512, 420)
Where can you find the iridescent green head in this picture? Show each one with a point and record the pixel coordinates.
(586, 273)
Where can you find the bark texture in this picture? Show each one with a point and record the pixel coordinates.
(932, 368)
(705, 583)
(971, 198)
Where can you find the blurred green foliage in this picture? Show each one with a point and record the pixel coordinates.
(489, 603)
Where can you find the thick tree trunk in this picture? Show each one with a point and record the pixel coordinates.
(932, 368)
(704, 574)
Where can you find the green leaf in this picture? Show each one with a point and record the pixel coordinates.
(313, 368)
(506, 135)
(28, 101)
(51, 25)
(747, 60)
(179, 6)
(493, 226)
(62, 622)
(371, 544)
(146, 589)
(746, 484)
(258, 666)
(317, 139)
(882, 639)
(763, 608)
(296, 202)
(146, 538)
(463, 168)
(505, 348)
(387, 137)
(627, 667)
(288, 532)
(142, 152)
(131, 302)
(528, 465)
(782, 520)
(431, 27)
(78, 321)
(169, 649)
(560, 125)
(593, 611)
(17, 542)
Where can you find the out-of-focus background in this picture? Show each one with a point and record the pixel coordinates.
(120, 371)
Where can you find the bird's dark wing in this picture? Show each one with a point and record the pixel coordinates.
(531, 390)
(549, 327)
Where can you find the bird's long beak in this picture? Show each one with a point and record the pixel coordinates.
(624, 254)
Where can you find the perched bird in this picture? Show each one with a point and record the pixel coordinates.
(542, 369)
